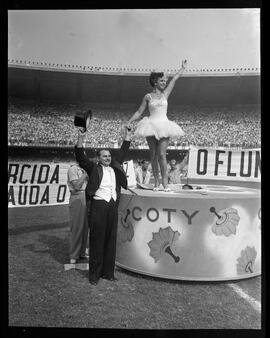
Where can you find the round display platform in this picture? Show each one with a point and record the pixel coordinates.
(209, 233)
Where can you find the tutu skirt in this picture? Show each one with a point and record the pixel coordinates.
(158, 128)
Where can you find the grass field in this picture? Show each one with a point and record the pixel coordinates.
(43, 294)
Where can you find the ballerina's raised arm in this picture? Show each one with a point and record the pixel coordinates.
(169, 88)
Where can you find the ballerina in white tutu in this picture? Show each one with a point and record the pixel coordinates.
(157, 128)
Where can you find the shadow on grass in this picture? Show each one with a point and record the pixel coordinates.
(142, 277)
(33, 228)
(56, 247)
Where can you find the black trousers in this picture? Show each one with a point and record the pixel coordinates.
(102, 240)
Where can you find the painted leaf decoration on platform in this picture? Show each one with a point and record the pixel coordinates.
(125, 228)
(246, 261)
(226, 221)
(161, 243)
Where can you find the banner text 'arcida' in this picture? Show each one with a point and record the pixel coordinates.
(31, 184)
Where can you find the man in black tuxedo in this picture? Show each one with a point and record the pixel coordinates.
(105, 181)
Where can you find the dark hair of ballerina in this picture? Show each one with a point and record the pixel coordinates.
(154, 76)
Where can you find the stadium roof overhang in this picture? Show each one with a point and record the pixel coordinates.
(118, 88)
(130, 71)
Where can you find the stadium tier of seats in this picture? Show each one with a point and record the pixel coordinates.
(32, 123)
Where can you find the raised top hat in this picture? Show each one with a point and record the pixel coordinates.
(82, 119)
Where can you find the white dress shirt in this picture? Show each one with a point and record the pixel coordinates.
(106, 190)
(139, 175)
(74, 173)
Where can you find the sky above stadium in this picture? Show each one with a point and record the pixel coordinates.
(145, 38)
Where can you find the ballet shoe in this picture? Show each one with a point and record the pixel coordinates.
(167, 189)
(156, 189)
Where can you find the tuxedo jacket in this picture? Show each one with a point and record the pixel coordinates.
(95, 171)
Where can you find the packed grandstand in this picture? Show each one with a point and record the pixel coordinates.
(218, 110)
(37, 123)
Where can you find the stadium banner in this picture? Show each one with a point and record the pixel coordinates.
(37, 184)
(225, 164)
(42, 184)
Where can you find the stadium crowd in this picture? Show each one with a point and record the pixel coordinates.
(32, 123)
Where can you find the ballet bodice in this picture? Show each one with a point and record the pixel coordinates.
(157, 108)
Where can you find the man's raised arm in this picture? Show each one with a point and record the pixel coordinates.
(125, 145)
(80, 154)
